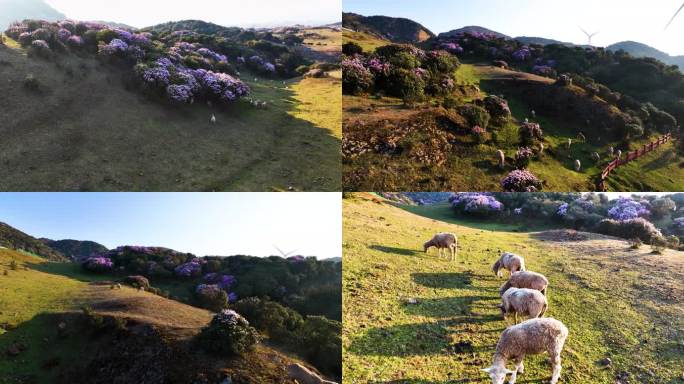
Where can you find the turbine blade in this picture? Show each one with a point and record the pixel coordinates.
(585, 32)
(673, 17)
(279, 250)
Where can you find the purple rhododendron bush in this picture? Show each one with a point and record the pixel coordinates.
(174, 64)
(648, 218)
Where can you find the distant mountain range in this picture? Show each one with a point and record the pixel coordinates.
(17, 10)
(397, 30)
(473, 29)
(643, 50)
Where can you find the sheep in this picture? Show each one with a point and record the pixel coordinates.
(541, 149)
(304, 375)
(531, 337)
(526, 279)
(209, 104)
(619, 154)
(523, 301)
(581, 137)
(611, 152)
(578, 165)
(501, 158)
(443, 241)
(512, 262)
(534, 114)
(213, 119)
(596, 157)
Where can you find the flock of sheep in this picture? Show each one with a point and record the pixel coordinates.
(525, 294)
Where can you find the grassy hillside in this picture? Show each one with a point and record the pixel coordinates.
(618, 303)
(40, 311)
(423, 151)
(365, 40)
(13, 238)
(115, 138)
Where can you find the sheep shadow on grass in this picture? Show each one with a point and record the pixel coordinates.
(455, 280)
(449, 307)
(393, 250)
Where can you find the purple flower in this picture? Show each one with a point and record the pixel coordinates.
(240, 60)
(563, 209)
(378, 67)
(75, 41)
(296, 259)
(159, 76)
(522, 54)
(63, 34)
(116, 46)
(179, 93)
(521, 180)
(476, 203)
(232, 297)
(98, 264)
(626, 208)
(679, 222)
(543, 70)
(451, 47)
(189, 269)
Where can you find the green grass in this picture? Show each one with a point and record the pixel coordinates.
(367, 41)
(30, 301)
(320, 102)
(114, 138)
(606, 295)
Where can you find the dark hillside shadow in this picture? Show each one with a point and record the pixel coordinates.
(393, 250)
(455, 280)
(114, 137)
(70, 270)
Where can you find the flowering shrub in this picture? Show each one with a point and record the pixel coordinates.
(522, 54)
(259, 64)
(98, 264)
(190, 269)
(228, 333)
(378, 67)
(630, 229)
(40, 48)
(451, 47)
(63, 34)
(530, 133)
(523, 157)
(476, 115)
(544, 70)
(137, 281)
(521, 181)
(356, 78)
(563, 209)
(211, 296)
(498, 109)
(116, 46)
(474, 203)
(626, 208)
(679, 222)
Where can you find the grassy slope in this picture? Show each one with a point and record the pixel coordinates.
(34, 298)
(472, 167)
(451, 333)
(114, 138)
(320, 102)
(367, 41)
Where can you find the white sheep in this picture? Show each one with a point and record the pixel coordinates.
(509, 261)
(526, 279)
(501, 158)
(611, 152)
(619, 154)
(581, 137)
(569, 143)
(524, 302)
(596, 157)
(443, 241)
(213, 119)
(578, 165)
(541, 149)
(531, 337)
(534, 114)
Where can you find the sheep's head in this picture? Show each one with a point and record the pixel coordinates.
(496, 268)
(503, 309)
(497, 373)
(427, 245)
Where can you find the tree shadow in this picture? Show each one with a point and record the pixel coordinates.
(455, 280)
(70, 270)
(393, 250)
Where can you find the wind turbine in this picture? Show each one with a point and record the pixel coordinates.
(285, 254)
(589, 35)
(675, 15)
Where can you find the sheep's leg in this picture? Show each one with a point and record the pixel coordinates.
(556, 369)
(518, 369)
(515, 317)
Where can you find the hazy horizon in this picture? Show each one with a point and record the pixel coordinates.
(220, 224)
(615, 20)
(229, 13)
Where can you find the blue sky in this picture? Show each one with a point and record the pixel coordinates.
(201, 223)
(244, 13)
(615, 20)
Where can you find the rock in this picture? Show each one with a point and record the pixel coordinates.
(606, 362)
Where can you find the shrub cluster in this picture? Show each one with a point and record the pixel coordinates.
(228, 333)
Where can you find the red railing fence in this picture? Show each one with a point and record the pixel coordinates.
(633, 155)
